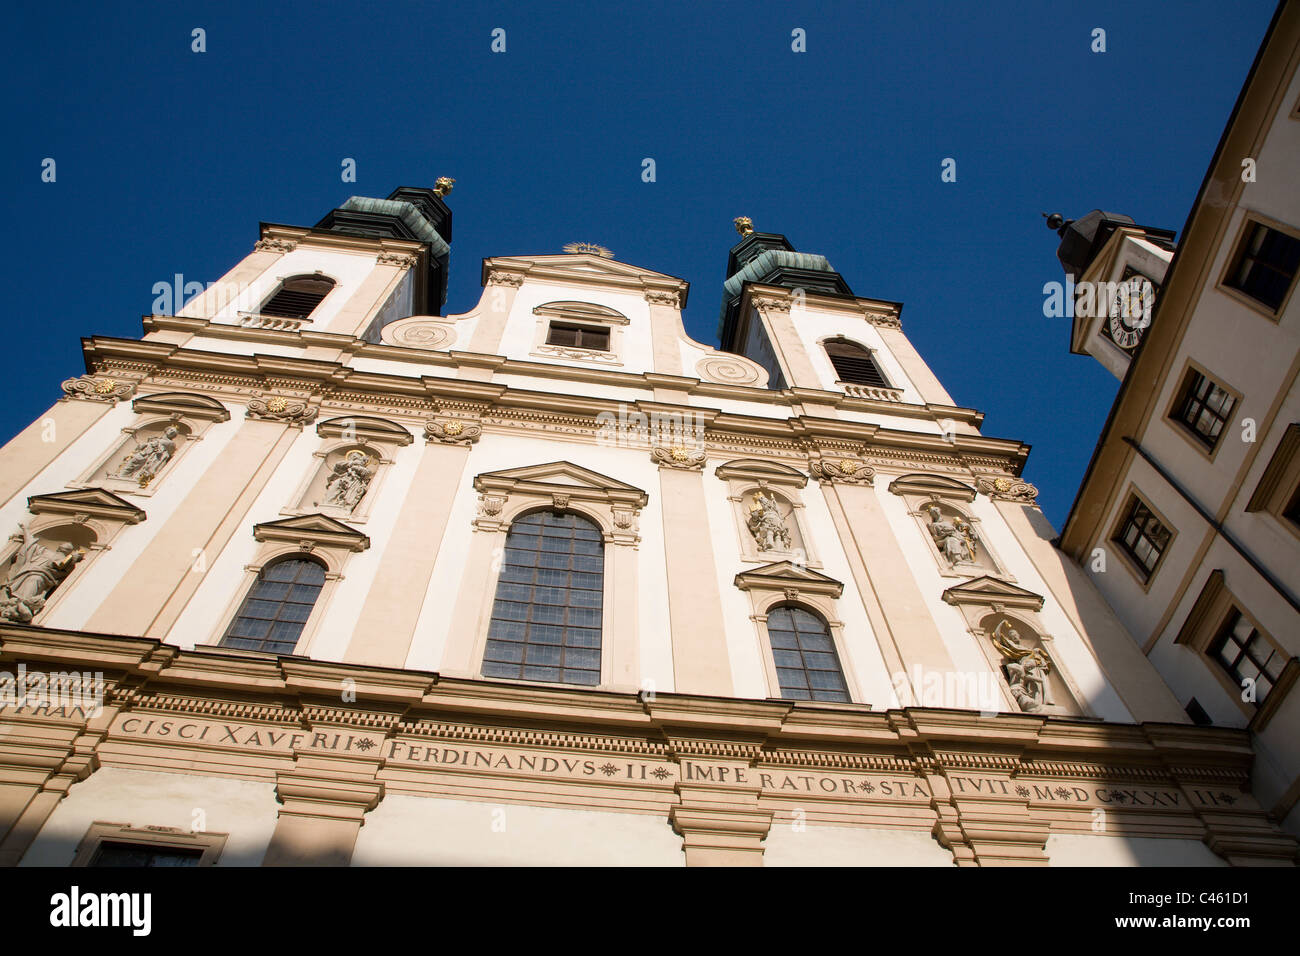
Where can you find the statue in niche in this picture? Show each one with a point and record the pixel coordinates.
(149, 456)
(349, 480)
(766, 524)
(37, 571)
(954, 537)
(1026, 669)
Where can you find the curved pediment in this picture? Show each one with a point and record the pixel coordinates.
(364, 426)
(756, 469)
(579, 311)
(185, 404)
(938, 486)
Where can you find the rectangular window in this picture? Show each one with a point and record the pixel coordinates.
(144, 854)
(578, 336)
(1265, 265)
(1204, 407)
(1143, 537)
(1246, 655)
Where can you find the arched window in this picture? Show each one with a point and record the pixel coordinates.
(855, 364)
(298, 297)
(272, 616)
(546, 616)
(807, 666)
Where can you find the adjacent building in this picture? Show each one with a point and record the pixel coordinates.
(1188, 519)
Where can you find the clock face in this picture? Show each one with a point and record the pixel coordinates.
(1129, 310)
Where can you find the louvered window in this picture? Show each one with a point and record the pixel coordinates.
(297, 298)
(855, 365)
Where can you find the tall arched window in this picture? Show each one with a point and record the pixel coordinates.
(807, 666)
(272, 616)
(546, 616)
(298, 297)
(855, 364)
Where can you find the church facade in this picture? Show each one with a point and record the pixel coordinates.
(311, 573)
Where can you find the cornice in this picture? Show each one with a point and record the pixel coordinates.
(145, 674)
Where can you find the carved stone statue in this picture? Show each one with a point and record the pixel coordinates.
(766, 524)
(955, 539)
(349, 480)
(149, 456)
(1026, 669)
(37, 571)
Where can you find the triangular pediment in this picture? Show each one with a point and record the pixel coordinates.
(561, 476)
(585, 269)
(785, 575)
(317, 528)
(95, 502)
(988, 591)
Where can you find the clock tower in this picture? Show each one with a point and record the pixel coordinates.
(1114, 269)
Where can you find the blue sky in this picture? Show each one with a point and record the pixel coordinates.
(168, 159)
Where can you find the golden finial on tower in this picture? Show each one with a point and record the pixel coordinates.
(744, 225)
(443, 186)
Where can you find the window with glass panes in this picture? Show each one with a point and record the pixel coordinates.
(546, 617)
(1204, 408)
(276, 609)
(1143, 536)
(579, 336)
(1246, 654)
(111, 853)
(1265, 265)
(807, 667)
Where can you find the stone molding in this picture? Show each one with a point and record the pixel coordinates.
(275, 245)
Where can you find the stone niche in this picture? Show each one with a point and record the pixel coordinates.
(166, 427)
(941, 508)
(351, 464)
(768, 511)
(1003, 619)
(59, 539)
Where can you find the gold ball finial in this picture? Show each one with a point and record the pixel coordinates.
(443, 185)
(744, 225)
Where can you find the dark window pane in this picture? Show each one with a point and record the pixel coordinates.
(1265, 265)
(1143, 536)
(807, 666)
(578, 336)
(1203, 407)
(297, 298)
(144, 854)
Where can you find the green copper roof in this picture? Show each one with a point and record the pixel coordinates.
(407, 213)
(769, 260)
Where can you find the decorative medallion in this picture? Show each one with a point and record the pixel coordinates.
(452, 431)
(678, 456)
(275, 245)
(731, 370)
(590, 248)
(292, 411)
(98, 389)
(419, 334)
(1007, 489)
(849, 470)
